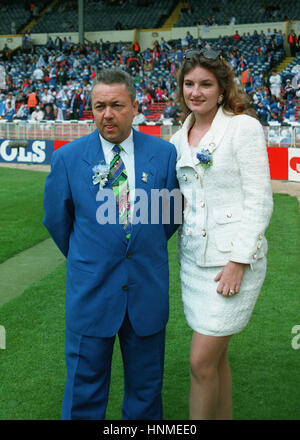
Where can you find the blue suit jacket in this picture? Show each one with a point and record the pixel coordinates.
(106, 273)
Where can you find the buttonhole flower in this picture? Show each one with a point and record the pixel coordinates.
(101, 172)
(205, 158)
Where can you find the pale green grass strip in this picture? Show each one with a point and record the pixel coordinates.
(19, 272)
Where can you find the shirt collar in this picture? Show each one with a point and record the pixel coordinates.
(127, 144)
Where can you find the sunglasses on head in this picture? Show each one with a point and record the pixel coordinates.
(209, 54)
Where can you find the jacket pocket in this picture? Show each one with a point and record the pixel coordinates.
(227, 214)
(227, 220)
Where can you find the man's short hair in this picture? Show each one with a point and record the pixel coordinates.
(115, 76)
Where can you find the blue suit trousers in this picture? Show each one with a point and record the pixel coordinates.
(88, 362)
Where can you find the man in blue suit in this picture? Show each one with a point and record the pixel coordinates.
(117, 274)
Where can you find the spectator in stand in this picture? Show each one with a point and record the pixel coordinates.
(62, 109)
(32, 101)
(145, 106)
(140, 118)
(155, 56)
(171, 112)
(47, 97)
(232, 20)
(178, 57)
(75, 105)
(275, 116)
(50, 44)
(246, 78)
(93, 73)
(62, 76)
(237, 36)
(23, 112)
(289, 91)
(38, 114)
(262, 113)
(255, 35)
(150, 92)
(289, 113)
(10, 98)
(160, 95)
(9, 112)
(276, 106)
(242, 65)
(53, 74)
(132, 62)
(275, 83)
(280, 39)
(164, 45)
(292, 41)
(38, 74)
(49, 113)
(136, 48)
(87, 103)
(233, 62)
(20, 95)
(173, 92)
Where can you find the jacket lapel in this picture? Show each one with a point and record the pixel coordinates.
(93, 155)
(218, 129)
(184, 157)
(212, 139)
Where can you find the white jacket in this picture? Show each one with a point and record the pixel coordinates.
(228, 205)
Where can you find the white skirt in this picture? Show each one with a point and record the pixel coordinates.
(210, 313)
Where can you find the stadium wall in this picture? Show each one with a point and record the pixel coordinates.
(284, 161)
(146, 37)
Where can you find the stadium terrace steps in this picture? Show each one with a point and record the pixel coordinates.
(174, 17)
(284, 63)
(156, 109)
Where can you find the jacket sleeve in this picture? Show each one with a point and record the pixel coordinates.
(251, 154)
(58, 205)
(176, 198)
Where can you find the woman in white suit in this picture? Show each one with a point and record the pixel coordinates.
(222, 168)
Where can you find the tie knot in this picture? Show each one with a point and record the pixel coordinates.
(117, 149)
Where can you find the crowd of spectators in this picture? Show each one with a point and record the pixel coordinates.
(54, 82)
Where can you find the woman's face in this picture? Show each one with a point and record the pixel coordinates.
(201, 91)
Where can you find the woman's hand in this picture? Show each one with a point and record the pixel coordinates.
(230, 278)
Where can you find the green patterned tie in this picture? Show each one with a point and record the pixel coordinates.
(121, 189)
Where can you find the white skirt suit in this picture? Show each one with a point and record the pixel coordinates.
(226, 212)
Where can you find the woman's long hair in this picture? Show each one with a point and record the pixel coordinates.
(235, 100)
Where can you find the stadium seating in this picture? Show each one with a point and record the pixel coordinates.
(100, 16)
(22, 65)
(15, 10)
(249, 11)
(287, 71)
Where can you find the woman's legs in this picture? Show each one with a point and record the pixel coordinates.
(210, 395)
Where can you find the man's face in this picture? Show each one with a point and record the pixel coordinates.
(113, 111)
